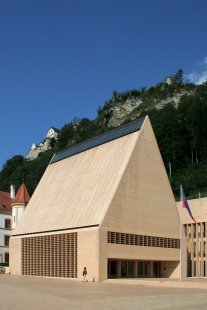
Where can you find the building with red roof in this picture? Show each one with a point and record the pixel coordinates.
(22, 195)
(19, 204)
(11, 210)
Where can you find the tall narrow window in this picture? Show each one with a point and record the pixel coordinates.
(189, 231)
(7, 223)
(6, 240)
(185, 228)
(194, 228)
(194, 249)
(195, 273)
(6, 256)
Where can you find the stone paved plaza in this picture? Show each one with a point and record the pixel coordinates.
(30, 293)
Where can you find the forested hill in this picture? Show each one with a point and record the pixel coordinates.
(178, 113)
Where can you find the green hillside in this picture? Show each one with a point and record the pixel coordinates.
(178, 112)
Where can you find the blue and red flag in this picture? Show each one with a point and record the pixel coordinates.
(186, 205)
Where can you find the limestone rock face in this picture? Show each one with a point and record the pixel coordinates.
(174, 99)
(119, 111)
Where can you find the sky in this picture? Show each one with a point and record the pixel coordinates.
(63, 59)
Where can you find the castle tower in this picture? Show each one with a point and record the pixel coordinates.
(19, 204)
(12, 191)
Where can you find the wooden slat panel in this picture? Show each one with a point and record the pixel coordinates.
(50, 255)
(140, 240)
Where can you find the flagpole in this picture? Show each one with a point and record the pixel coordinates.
(180, 233)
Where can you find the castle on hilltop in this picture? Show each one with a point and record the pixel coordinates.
(46, 144)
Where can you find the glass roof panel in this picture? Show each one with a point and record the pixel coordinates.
(99, 140)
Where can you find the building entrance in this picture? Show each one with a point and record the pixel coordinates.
(156, 269)
(118, 268)
(143, 269)
(112, 269)
(127, 269)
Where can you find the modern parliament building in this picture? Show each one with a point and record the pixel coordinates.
(105, 204)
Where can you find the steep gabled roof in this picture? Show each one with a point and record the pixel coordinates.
(22, 195)
(78, 187)
(5, 201)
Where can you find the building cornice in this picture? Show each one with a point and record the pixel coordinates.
(56, 230)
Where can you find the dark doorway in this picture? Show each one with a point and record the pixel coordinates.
(112, 268)
(127, 268)
(156, 269)
(6, 257)
(123, 268)
(130, 269)
(189, 265)
(143, 269)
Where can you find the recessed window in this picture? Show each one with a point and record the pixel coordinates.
(6, 240)
(194, 228)
(204, 230)
(6, 256)
(7, 223)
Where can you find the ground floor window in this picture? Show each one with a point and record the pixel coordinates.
(127, 269)
(120, 268)
(143, 269)
(6, 240)
(196, 268)
(112, 266)
(156, 269)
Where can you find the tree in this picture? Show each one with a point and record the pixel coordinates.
(178, 77)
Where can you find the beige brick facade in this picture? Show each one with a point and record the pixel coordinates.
(15, 255)
(195, 238)
(118, 199)
(88, 254)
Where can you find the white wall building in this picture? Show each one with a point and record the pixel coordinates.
(11, 210)
(53, 133)
(5, 225)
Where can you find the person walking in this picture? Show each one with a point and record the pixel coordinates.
(85, 275)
